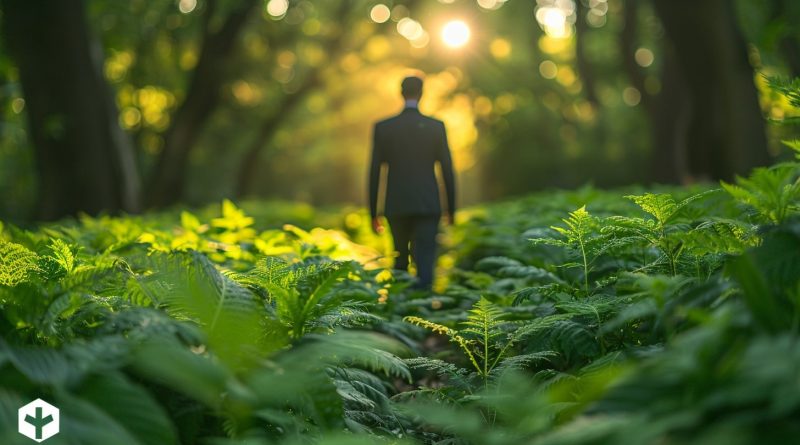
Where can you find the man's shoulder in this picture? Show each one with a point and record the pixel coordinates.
(432, 119)
(399, 118)
(386, 121)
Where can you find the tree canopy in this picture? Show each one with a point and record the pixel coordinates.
(208, 99)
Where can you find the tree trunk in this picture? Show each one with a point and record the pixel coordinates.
(726, 130)
(670, 114)
(202, 98)
(83, 159)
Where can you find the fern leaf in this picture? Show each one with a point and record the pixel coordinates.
(482, 322)
(521, 362)
(16, 263)
(62, 254)
(661, 206)
(463, 343)
(455, 375)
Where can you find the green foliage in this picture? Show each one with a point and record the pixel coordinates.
(16, 263)
(662, 230)
(769, 277)
(581, 236)
(663, 316)
(773, 193)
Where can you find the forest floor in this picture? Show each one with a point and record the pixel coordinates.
(634, 316)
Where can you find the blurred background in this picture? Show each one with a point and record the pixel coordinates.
(111, 106)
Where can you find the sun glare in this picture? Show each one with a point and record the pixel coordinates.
(455, 34)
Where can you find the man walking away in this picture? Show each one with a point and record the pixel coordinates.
(410, 145)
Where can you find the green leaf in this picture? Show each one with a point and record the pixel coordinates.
(17, 263)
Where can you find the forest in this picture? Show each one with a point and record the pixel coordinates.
(200, 241)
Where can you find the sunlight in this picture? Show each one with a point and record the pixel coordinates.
(455, 34)
(556, 17)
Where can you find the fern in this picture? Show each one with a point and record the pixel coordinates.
(305, 294)
(580, 235)
(454, 336)
(63, 255)
(518, 363)
(774, 193)
(483, 324)
(485, 339)
(661, 230)
(16, 263)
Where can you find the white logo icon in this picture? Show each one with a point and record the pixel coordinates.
(38, 420)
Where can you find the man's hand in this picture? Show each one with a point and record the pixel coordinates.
(377, 225)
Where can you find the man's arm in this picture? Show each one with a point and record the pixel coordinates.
(375, 171)
(446, 163)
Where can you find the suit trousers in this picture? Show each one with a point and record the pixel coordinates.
(416, 234)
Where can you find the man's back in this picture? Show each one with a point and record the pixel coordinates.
(410, 144)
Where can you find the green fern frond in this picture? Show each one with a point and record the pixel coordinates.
(62, 254)
(363, 349)
(17, 263)
(131, 406)
(482, 323)
(439, 367)
(437, 328)
(580, 226)
(774, 193)
(572, 339)
(306, 295)
(483, 320)
(582, 235)
(661, 206)
(539, 325)
(521, 362)
(463, 343)
(790, 88)
(92, 276)
(346, 315)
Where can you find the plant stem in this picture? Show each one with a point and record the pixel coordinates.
(585, 269)
(485, 353)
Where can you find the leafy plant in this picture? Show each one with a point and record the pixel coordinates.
(661, 230)
(773, 193)
(582, 236)
(486, 341)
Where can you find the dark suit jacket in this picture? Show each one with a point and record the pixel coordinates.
(410, 144)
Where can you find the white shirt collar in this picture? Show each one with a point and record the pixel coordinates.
(412, 103)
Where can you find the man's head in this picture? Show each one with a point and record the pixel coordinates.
(411, 88)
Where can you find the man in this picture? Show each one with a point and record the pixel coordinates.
(410, 145)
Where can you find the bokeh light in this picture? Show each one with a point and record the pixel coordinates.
(455, 33)
(187, 6)
(277, 8)
(410, 28)
(17, 105)
(491, 4)
(556, 17)
(400, 12)
(380, 13)
(548, 69)
(500, 48)
(644, 57)
(421, 41)
(631, 96)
